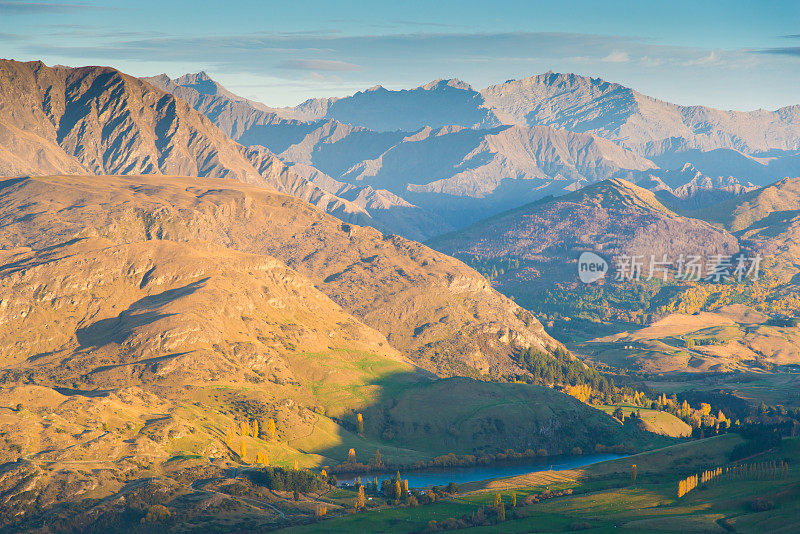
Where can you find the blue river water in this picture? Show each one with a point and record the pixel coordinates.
(441, 476)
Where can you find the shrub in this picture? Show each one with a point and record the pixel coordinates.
(158, 513)
(761, 504)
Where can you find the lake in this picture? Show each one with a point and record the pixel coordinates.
(441, 476)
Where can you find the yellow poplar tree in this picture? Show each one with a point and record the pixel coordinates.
(361, 499)
(255, 428)
(398, 489)
(360, 423)
(271, 428)
(242, 451)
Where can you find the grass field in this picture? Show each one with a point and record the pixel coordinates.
(654, 421)
(605, 499)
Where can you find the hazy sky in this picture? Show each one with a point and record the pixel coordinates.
(728, 54)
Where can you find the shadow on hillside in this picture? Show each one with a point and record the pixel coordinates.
(140, 313)
(417, 419)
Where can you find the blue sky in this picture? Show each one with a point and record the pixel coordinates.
(726, 54)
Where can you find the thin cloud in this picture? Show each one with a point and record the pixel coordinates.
(711, 58)
(318, 64)
(38, 8)
(784, 51)
(616, 57)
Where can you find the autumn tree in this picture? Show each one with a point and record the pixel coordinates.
(398, 487)
(271, 429)
(361, 498)
(255, 428)
(351, 455)
(619, 414)
(242, 450)
(634, 472)
(360, 423)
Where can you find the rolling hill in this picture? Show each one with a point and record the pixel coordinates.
(610, 218)
(432, 308)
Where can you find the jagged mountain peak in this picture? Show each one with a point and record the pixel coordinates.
(443, 83)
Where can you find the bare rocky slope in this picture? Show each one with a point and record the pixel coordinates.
(255, 125)
(97, 120)
(448, 155)
(645, 124)
(434, 309)
(769, 220)
(440, 170)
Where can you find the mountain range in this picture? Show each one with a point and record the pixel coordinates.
(191, 281)
(507, 145)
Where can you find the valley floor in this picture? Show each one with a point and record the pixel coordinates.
(604, 498)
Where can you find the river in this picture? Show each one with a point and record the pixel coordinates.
(441, 476)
